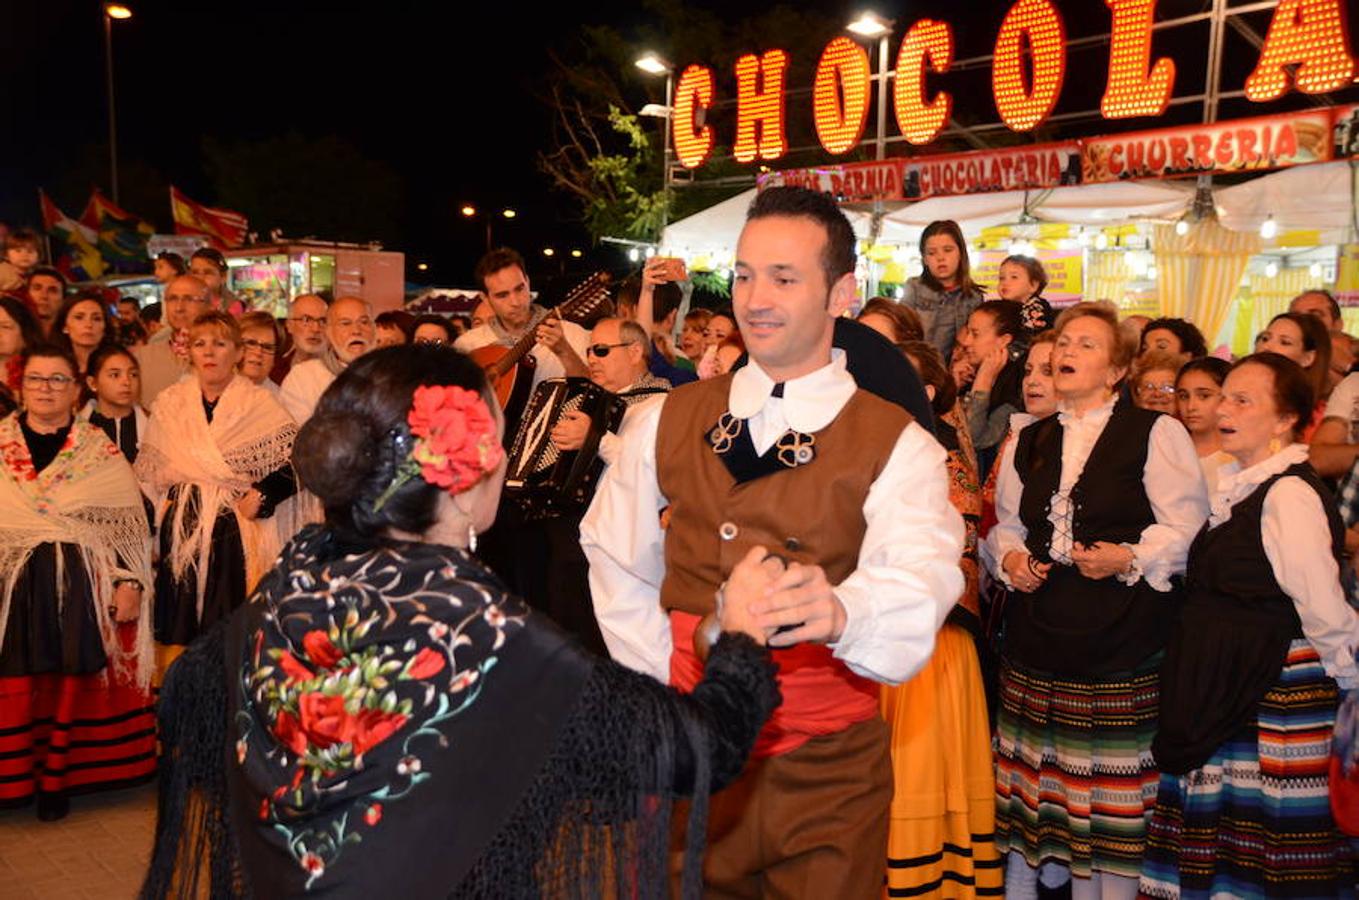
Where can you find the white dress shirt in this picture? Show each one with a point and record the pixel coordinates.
(1293, 517)
(610, 444)
(302, 389)
(1172, 477)
(908, 577)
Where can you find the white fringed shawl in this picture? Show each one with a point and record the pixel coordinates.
(87, 497)
(250, 437)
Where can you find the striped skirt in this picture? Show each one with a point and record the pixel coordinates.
(1255, 820)
(1075, 779)
(941, 842)
(71, 734)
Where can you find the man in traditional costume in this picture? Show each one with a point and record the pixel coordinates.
(786, 453)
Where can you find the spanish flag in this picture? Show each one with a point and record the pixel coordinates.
(222, 227)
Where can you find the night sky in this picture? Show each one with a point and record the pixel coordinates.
(442, 93)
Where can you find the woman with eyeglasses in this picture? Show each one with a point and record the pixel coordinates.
(1153, 380)
(1096, 508)
(75, 578)
(216, 459)
(259, 348)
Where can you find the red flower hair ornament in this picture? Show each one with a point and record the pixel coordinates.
(455, 441)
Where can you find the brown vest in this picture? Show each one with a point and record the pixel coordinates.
(811, 513)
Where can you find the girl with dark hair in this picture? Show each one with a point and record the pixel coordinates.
(1198, 391)
(432, 328)
(1263, 645)
(1021, 280)
(1173, 336)
(990, 371)
(114, 382)
(383, 699)
(19, 329)
(944, 294)
(943, 804)
(75, 584)
(1303, 339)
(81, 325)
(892, 320)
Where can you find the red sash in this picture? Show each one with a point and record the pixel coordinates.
(820, 694)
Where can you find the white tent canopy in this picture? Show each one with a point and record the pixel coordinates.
(1319, 197)
(715, 229)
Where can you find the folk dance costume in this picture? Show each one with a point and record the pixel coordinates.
(823, 473)
(199, 458)
(1075, 778)
(75, 703)
(942, 836)
(1249, 696)
(473, 750)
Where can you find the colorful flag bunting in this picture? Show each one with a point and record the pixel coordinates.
(78, 258)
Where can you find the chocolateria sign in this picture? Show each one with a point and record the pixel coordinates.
(1306, 48)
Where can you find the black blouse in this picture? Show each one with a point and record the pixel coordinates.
(43, 447)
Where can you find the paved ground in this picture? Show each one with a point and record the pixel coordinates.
(98, 851)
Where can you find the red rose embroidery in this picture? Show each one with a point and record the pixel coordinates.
(373, 726)
(313, 863)
(373, 815)
(264, 809)
(428, 663)
(289, 734)
(320, 650)
(325, 723)
(296, 671)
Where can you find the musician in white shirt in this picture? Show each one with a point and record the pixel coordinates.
(618, 355)
(561, 345)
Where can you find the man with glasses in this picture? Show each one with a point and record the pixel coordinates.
(164, 358)
(350, 333)
(617, 359)
(306, 335)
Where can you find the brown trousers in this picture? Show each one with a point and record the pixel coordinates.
(808, 824)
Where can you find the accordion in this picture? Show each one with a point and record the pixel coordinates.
(543, 481)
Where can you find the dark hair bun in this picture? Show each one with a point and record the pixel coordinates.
(334, 456)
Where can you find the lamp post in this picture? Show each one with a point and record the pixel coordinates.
(871, 25)
(654, 65)
(470, 212)
(112, 11)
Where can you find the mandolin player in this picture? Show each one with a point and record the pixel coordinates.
(560, 347)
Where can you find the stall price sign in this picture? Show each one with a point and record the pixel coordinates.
(1245, 145)
(1037, 166)
(848, 183)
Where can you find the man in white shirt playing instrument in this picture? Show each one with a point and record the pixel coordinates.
(790, 454)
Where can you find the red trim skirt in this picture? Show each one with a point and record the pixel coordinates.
(71, 734)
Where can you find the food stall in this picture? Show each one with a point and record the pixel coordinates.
(269, 276)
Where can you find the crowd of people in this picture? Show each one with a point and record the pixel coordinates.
(962, 595)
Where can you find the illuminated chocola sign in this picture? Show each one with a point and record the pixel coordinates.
(1307, 46)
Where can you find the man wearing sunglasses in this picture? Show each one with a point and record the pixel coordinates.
(789, 454)
(617, 360)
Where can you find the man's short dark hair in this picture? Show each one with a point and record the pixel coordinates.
(838, 257)
(128, 298)
(50, 273)
(494, 261)
(151, 312)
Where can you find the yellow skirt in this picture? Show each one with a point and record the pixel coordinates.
(942, 838)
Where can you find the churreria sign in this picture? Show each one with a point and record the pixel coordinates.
(1307, 46)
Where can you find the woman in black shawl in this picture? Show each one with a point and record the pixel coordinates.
(393, 723)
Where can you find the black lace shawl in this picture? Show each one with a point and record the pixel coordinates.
(559, 782)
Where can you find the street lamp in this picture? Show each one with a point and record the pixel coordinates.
(654, 65)
(548, 251)
(112, 11)
(509, 214)
(469, 211)
(871, 25)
